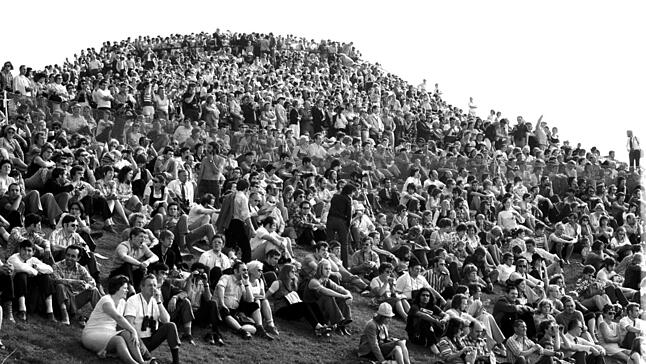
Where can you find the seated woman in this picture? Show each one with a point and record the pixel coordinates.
(288, 304)
(124, 189)
(478, 309)
(423, 324)
(331, 298)
(609, 334)
(267, 239)
(376, 343)
(382, 288)
(543, 312)
(258, 290)
(451, 345)
(100, 334)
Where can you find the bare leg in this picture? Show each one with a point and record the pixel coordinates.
(118, 344)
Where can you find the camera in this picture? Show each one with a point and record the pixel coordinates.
(149, 323)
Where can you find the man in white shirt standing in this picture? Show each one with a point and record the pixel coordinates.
(634, 150)
(21, 84)
(146, 312)
(31, 274)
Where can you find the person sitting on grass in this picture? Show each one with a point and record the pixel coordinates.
(215, 260)
(258, 290)
(31, 276)
(383, 289)
(132, 257)
(424, 326)
(145, 311)
(236, 303)
(100, 334)
(365, 262)
(74, 286)
(376, 343)
(288, 305)
(332, 299)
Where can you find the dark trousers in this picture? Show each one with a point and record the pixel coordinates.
(334, 309)
(337, 229)
(167, 332)
(73, 301)
(581, 357)
(310, 311)
(308, 235)
(6, 288)
(183, 312)
(208, 314)
(134, 275)
(236, 235)
(35, 289)
(633, 158)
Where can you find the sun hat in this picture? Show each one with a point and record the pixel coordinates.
(385, 309)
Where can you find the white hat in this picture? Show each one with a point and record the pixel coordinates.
(385, 309)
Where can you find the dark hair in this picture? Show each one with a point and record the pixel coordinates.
(73, 247)
(348, 189)
(322, 244)
(453, 327)
(58, 172)
(158, 266)
(242, 185)
(384, 266)
(115, 283)
(32, 219)
(67, 219)
(121, 176)
(272, 253)
(457, 299)
(25, 244)
(136, 231)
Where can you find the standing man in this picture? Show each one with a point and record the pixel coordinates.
(240, 228)
(634, 150)
(339, 218)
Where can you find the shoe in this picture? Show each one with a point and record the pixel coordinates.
(346, 331)
(322, 331)
(22, 316)
(260, 331)
(2, 347)
(50, 317)
(272, 330)
(340, 330)
(345, 322)
(209, 339)
(82, 320)
(217, 339)
(366, 293)
(244, 334)
(188, 338)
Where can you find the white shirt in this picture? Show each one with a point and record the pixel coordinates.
(176, 187)
(137, 307)
(30, 266)
(406, 284)
(99, 96)
(212, 259)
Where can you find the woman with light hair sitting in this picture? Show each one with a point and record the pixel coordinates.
(258, 290)
(332, 299)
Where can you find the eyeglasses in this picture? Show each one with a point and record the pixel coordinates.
(425, 295)
(522, 265)
(74, 225)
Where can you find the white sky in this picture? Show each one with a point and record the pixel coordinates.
(580, 63)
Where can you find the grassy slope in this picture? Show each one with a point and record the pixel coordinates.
(38, 341)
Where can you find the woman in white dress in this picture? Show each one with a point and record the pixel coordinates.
(609, 335)
(100, 334)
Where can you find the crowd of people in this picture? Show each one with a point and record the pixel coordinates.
(249, 176)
